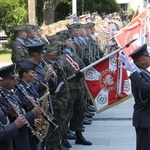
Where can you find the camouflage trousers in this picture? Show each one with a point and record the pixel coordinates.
(54, 136)
(75, 110)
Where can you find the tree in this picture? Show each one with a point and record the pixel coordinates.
(49, 9)
(12, 13)
(107, 6)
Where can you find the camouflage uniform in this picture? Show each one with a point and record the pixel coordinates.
(19, 51)
(60, 105)
(76, 99)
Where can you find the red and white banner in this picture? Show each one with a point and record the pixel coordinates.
(107, 84)
(136, 29)
(72, 62)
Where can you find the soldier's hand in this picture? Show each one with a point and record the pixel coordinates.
(79, 74)
(37, 110)
(49, 73)
(20, 121)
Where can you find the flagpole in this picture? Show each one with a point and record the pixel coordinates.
(102, 59)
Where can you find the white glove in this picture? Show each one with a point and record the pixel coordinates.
(137, 69)
(127, 64)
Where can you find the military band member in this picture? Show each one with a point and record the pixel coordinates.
(27, 75)
(60, 97)
(9, 130)
(7, 85)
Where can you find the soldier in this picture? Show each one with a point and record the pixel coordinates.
(76, 99)
(11, 99)
(32, 36)
(75, 33)
(19, 50)
(95, 52)
(41, 37)
(60, 97)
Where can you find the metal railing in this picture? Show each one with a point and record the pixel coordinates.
(3, 37)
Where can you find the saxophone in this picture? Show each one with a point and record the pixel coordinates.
(46, 117)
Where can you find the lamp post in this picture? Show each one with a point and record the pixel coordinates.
(74, 6)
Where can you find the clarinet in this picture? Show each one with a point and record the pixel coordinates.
(18, 112)
(44, 114)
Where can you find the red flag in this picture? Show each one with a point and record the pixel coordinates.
(136, 29)
(107, 84)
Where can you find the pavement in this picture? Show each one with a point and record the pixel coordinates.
(111, 129)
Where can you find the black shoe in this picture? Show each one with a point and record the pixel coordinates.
(89, 119)
(86, 122)
(91, 106)
(90, 109)
(91, 113)
(83, 129)
(62, 148)
(81, 140)
(65, 143)
(88, 115)
(71, 135)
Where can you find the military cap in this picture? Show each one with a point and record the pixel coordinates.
(19, 28)
(61, 33)
(72, 16)
(52, 48)
(53, 38)
(73, 26)
(87, 26)
(37, 27)
(82, 25)
(8, 71)
(82, 16)
(141, 51)
(66, 36)
(36, 47)
(26, 65)
(29, 27)
(91, 24)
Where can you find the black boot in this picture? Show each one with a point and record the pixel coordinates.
(65, 142)
(71, 135)
(81, 140)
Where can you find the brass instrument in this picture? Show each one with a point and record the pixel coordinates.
(18, 112)
(45, 119)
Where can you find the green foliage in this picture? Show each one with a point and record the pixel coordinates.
(12, 13)
(107, 6)
(39, 11)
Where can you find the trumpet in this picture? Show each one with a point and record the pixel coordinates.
(18, 112)
(46, 64)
